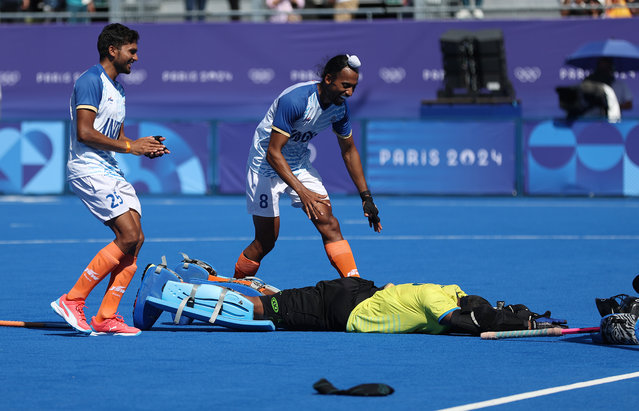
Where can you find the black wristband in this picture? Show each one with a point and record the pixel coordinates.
(365, 194)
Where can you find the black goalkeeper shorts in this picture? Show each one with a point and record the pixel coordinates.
(324, 307)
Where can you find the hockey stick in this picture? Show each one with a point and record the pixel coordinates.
(544, 332)
(30, 324)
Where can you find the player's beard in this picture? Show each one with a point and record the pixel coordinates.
(124, 68)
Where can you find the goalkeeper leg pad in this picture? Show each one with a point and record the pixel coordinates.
(153, 279)
(209, 303)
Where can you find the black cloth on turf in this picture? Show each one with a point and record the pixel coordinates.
(323, 307)
(323, 386)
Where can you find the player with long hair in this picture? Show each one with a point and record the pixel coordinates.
(279, 163)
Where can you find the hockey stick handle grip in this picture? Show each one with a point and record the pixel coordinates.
(544, 332)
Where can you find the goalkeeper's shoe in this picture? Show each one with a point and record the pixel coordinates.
(72, 312)
(113, 326)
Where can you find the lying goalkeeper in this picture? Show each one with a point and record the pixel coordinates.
(356, 305)
(350, 304)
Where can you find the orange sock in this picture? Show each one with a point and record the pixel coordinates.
(102, 264)
(341, 257)
(245, 267)
(120, 279)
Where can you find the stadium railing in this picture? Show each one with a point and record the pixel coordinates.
(369, 10)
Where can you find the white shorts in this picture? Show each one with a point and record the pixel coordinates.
(263, 193)
(106, 197)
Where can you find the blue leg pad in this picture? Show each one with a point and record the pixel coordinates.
(236, 311)
(190, 272)
(153, 280)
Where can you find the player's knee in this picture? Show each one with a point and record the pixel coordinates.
(131, 240)
(263, 246)
(329, 227)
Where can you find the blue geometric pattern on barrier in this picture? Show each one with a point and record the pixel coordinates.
(585, 157)
(32, 158)
(184, 171)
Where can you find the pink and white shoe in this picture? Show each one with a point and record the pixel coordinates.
(72, 312)
(113, 326)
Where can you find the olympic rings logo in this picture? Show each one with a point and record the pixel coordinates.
(392, 74)
(261, 75)
(10, 78)
(527, 74)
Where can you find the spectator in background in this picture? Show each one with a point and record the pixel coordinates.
(234, 5)
(633, 3)
(197, 5)
(617, 9)
(612, 95)
(285, 8)
(80, 6)
(467, 13)
(343, 5)
(605, 73)
(12, 6)
(580, 8)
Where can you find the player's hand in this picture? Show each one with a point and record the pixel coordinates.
(161, 152)
(313, 203)
(150, 146)
(370, 211)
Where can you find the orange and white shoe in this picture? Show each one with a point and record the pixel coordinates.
(113, 326)
(72, 312)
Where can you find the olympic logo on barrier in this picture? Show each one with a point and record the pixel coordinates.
(527, 74)
(392, 74)
(56, 77)
(303, 75)
(566, 73)
(433, 75)
(136, 77)
(261, 75)
(10, 78)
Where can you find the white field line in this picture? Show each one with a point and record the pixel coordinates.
(480, 237)
(540, 393)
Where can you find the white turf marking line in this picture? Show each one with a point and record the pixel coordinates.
(540, 393)
(515, 237)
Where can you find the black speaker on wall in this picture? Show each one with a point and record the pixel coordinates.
(457, 47)
(474, 64)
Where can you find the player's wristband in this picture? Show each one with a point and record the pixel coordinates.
(365, 194)
(128, 147)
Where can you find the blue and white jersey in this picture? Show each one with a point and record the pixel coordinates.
(296, 113)
(95, 91)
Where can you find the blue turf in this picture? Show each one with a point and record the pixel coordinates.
(551, 254)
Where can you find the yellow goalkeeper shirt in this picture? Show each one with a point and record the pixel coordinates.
(406, 308)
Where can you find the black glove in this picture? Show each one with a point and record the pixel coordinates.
(370, 208)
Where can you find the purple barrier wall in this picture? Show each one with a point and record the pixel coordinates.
(233, 71)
